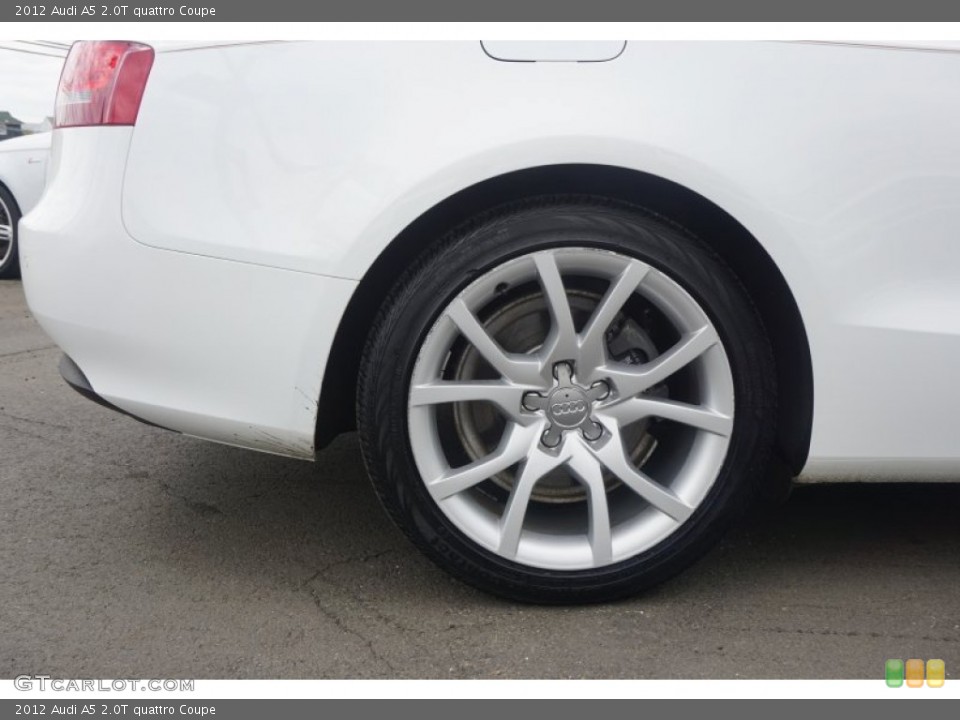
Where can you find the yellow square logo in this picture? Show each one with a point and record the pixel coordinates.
(936, 673)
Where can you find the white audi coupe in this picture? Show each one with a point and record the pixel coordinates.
(585, 303)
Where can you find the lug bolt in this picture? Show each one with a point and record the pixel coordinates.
(563, 372)
(601, 391)
(551, 437)
(533, 401)
(592, 431)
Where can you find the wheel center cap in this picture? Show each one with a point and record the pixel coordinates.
(567, 407)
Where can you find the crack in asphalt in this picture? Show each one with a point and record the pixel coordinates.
(44, 423)
(377, 614)
(839, 633)
(341, 624)
(346, 561)
(334, 617)
(15, 353)
(25, 433)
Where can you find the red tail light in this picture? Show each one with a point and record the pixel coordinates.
(102, 83)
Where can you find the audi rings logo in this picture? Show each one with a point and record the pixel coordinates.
(574, 407)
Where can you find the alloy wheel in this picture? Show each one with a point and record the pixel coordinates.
(570, 408)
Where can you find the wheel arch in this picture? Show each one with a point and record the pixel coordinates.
(742, 251)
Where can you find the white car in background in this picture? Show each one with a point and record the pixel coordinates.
(585, 303)
(23, 164)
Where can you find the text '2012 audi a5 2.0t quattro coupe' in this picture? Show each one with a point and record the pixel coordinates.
(585, 303)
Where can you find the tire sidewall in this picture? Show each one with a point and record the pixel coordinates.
(420, 298)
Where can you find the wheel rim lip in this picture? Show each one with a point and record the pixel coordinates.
(6, 246)
(648, 527)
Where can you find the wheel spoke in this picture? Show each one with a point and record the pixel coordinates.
(537, 465)
(613, 456)
(505, 396)
(623, 286)
(572, 404)
(562, 342)
(702, 418)
(6, 233)
(586, 467)
(514, 446)
(517, 368)
(630, 381)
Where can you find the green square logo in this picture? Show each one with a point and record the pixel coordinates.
(894, 673)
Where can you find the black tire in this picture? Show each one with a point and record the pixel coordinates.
(10, 267)
(419, 297)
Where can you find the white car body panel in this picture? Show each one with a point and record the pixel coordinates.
(222, 350)
(262, 181)
(23, 168)
(554, 51)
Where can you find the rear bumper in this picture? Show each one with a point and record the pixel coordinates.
(227, 351)
(75, 378)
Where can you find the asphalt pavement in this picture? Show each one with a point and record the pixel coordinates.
(129, 551)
